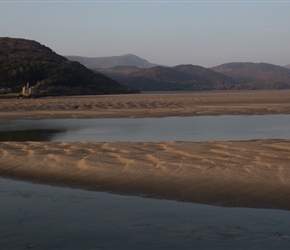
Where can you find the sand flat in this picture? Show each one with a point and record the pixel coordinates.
(235, 173)
(149, 105)
(238, 173)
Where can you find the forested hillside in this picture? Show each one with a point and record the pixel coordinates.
(23, 61)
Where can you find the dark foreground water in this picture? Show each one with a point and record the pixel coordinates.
(198, 128)
(45, 217)
(51, 218)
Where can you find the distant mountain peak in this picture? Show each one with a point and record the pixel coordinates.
(130, 55)
(112, 61)
(262, 75)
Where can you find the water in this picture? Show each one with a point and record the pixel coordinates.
(198, 128)
(44, 217)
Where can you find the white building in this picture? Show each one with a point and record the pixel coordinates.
(26, 90)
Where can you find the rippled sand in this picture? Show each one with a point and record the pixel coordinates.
(240, 173)
(149, 105)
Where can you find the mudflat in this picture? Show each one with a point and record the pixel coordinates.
(235, 173)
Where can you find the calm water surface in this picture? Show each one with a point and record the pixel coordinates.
(198, 128)
(45, 217)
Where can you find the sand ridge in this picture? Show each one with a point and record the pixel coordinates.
(235, 173)
(149, 105)
(238, 173)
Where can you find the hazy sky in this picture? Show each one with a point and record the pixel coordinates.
(205, 33)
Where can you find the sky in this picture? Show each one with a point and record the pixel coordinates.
(205, 33)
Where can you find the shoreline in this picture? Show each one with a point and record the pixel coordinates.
(253, 173)
(149, 105)
(233, 174)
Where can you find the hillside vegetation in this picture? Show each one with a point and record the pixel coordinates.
(231, 76)
(256, 75)
(179, 78)
(117, 72)
(23, 61)
(138, 73)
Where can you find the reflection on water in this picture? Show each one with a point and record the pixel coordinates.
(30, 135)
(198, 128)
(45, 217)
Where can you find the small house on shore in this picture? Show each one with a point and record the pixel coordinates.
(27, 90)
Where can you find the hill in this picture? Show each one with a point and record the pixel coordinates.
(109, 62)
(118, 72)
(178, 78)
(23, 61)
(256, 75)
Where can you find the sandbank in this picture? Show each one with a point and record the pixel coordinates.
(149, 105)
(237, 173)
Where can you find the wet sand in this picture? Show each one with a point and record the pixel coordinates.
(240, 173)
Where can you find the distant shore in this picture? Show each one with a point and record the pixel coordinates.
(149, 105)
(252, 173)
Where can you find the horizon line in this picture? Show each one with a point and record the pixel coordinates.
(145, 1)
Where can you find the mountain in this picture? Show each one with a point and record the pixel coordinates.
(287, 66)
(256, 75)
(109, 62)
(23, 61)
(178, 78)
(117, 72)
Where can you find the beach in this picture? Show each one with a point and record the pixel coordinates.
(253, 173)
(149, 105)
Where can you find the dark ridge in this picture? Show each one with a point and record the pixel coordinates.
(48, 73)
